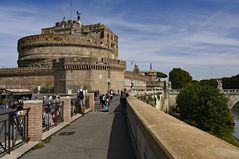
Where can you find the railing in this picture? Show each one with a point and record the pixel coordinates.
(174, 91)
(87, 104)
(52, 115)
(231, 91)
(75, 109)
(13, 129)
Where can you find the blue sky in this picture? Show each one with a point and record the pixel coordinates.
(200, 36)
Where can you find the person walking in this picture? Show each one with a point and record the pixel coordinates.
(123, 95)
(107, 103)
(80, 99)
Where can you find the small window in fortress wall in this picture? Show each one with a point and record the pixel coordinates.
(102, 34)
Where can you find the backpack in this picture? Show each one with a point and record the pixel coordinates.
(81, 95)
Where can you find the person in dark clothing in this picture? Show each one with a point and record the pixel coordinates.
(123, 95)
(80, 99)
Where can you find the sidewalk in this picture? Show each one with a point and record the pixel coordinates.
(96, 135)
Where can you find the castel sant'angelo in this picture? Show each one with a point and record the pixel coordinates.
(68, 56)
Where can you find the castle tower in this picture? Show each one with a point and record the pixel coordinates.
(68, 56)
(68, 38)
(152, 73)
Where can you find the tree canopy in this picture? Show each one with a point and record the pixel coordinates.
(161, 75)
(231, 82)
(210, 82)
(205, 107)
(179, 78)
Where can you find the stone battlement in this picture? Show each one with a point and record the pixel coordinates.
(25, 71)
(136, 76)
(88, 64)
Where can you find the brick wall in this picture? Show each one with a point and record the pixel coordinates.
(66, 108)
(28, 82)
(34, 119)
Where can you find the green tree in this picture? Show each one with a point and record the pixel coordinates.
(47, 89)
(205, 107)
(210, 82)
(231, 82)
(161, 75)
(179, 78)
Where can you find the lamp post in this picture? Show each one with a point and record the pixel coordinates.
(90, 63)
(108, 80)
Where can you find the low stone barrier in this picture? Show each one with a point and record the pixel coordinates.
(156, 134)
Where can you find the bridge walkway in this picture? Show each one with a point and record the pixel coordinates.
(96, 135)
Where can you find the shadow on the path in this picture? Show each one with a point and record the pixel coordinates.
(120, 145)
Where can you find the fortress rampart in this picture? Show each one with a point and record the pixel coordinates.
(26, 77)
(26, 71)
(92, 73)
(87, 63)
(136, 76)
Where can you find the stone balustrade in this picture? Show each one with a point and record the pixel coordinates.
(231, 91)
(159, 135)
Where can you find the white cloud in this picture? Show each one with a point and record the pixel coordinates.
(190, 40)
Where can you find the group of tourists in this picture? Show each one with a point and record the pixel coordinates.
(52, 110)
(105, 100)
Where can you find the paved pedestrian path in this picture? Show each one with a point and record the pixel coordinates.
(96, 135)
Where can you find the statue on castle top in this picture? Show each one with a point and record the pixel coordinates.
(78, 15)
(64, 18)
(136, 68)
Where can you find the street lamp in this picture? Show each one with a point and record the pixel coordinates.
(108, 80)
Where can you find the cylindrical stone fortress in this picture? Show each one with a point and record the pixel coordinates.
(67, 39)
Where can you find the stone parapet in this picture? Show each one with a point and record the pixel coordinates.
(159, 135)
(88, 64)
(136, 76)
(25, 71)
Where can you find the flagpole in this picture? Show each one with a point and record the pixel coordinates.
(71, 10)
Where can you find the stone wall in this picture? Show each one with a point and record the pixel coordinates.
(172, 97)
(90, 80)
(159, 135)
(89, 73)
(26, 77)
(138, 80)
(28, 82)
